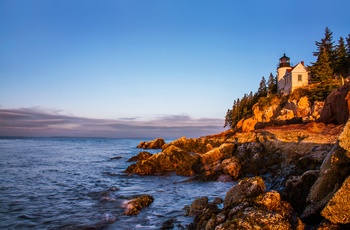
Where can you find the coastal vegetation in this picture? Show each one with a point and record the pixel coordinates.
(326, 74)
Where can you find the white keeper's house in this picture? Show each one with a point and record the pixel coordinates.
(289, 78)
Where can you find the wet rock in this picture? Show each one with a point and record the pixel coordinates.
(197, 206)
(105, 195)
(168, 225)
(298, 188)
(171, 159)
(247, 206)
(203, 218)
(224, 178)
(141, 156)
(135, 205)
(246, 188)
(154, 144)
(116, 158)
(337, 209)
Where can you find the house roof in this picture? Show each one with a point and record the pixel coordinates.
(288, 71)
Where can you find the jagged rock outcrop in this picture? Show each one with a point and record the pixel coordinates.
(337, 106)
(273, 153)
(220, 161)
(297, 189)
(154, 144)
(141, 156)
(316, 110)
(136, 204)
(291, 112)
(195, 145)
(169, 160)
(337, 209)
(333, 172)
(246, 206)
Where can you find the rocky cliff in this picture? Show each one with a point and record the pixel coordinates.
(292, 174)
(289, 160)
(335, 109)
(317, 198)
(337, 106)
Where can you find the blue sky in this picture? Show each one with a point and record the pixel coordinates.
(140, 61)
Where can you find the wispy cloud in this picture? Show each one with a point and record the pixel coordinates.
(48, 122)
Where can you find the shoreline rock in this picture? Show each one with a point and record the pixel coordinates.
(135, 205)
(141, 156)
(154, 144)
(246, 206)
(293, 176)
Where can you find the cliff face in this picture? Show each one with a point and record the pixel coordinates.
(337, 106)
(291, 112)
(335, 109)
(330, 194)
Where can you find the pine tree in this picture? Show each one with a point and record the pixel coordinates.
(341, 66)
(228, 118)
(326, 45)
(323, 67)
(272, 84)
(262, 91)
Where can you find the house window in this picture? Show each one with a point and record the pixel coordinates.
(300, 77)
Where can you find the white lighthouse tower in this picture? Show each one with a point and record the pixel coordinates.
(283, 66)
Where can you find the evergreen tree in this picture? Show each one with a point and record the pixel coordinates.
(228, 118)
(272, 84)
(341, 66)
(326, 44)
(323, 67)
(262, 91)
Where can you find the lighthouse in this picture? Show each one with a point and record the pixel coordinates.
(283, 66)
(289, 77)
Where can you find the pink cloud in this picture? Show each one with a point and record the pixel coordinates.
(44, 122)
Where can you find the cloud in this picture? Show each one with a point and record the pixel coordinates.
(47, 122)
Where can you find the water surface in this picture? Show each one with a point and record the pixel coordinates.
(74, 183)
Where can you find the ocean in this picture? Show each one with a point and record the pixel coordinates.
(79, 183)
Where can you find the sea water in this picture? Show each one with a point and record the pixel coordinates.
(79, 183)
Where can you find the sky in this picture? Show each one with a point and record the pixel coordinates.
(146, 68)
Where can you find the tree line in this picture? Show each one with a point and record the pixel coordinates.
(331, 61)
(242, 107)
